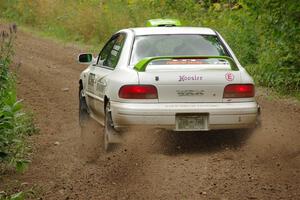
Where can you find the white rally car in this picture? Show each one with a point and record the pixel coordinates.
(166, 76)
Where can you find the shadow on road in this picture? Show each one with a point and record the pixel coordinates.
(139, 140)
(174, 143)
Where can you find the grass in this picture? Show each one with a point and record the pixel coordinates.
(60, 40)
(25, 194)
(54, 36)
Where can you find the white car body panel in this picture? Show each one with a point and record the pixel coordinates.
(101, 84)
(172, 82)
(221, 115)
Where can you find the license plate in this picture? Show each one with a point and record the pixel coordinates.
(191, 122)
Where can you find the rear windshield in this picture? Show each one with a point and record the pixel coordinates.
(176, 45)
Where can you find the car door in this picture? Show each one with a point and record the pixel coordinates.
(107, 62)
(90, 85)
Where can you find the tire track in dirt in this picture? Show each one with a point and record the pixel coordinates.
(152, 164)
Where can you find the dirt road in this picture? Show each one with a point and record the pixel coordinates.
(152, 164)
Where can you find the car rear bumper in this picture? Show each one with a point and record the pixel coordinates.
(163, 115)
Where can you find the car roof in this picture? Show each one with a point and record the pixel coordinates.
(172, 30)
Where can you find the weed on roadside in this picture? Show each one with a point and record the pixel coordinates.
(15, 125)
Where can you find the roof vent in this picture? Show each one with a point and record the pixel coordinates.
(163, 23)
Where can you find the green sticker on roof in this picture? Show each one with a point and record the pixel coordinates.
(163, 23)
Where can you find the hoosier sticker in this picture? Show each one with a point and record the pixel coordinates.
(183, 78)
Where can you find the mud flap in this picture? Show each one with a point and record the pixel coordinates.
(113, 135)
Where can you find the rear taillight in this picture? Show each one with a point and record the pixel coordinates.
(138, 92)
(239, 91)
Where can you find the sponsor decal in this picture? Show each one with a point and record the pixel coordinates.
(183, 78)
(114, 52)
(91, 82)
(186, 62)
(190, 92)
(117, 47)
(229, 76)
(100, 87)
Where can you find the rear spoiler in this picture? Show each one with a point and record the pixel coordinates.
(142, 64)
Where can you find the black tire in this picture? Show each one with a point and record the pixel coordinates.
(83, 108)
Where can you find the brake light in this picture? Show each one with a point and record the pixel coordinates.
(138, 92)
(239, 91)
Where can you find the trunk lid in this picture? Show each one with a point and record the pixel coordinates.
(190, 83)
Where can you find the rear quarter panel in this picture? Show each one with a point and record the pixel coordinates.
(117, 79)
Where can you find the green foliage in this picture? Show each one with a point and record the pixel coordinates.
(263, 33)
(25, 194)
(14, 124)
(239, 31)
(280, 42)
(17, 196)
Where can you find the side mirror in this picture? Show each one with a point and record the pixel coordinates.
(85, 58)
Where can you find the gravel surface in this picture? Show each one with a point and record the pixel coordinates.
(69, 162)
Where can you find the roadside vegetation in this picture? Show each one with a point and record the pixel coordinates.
(15, 125)
(265, 34)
